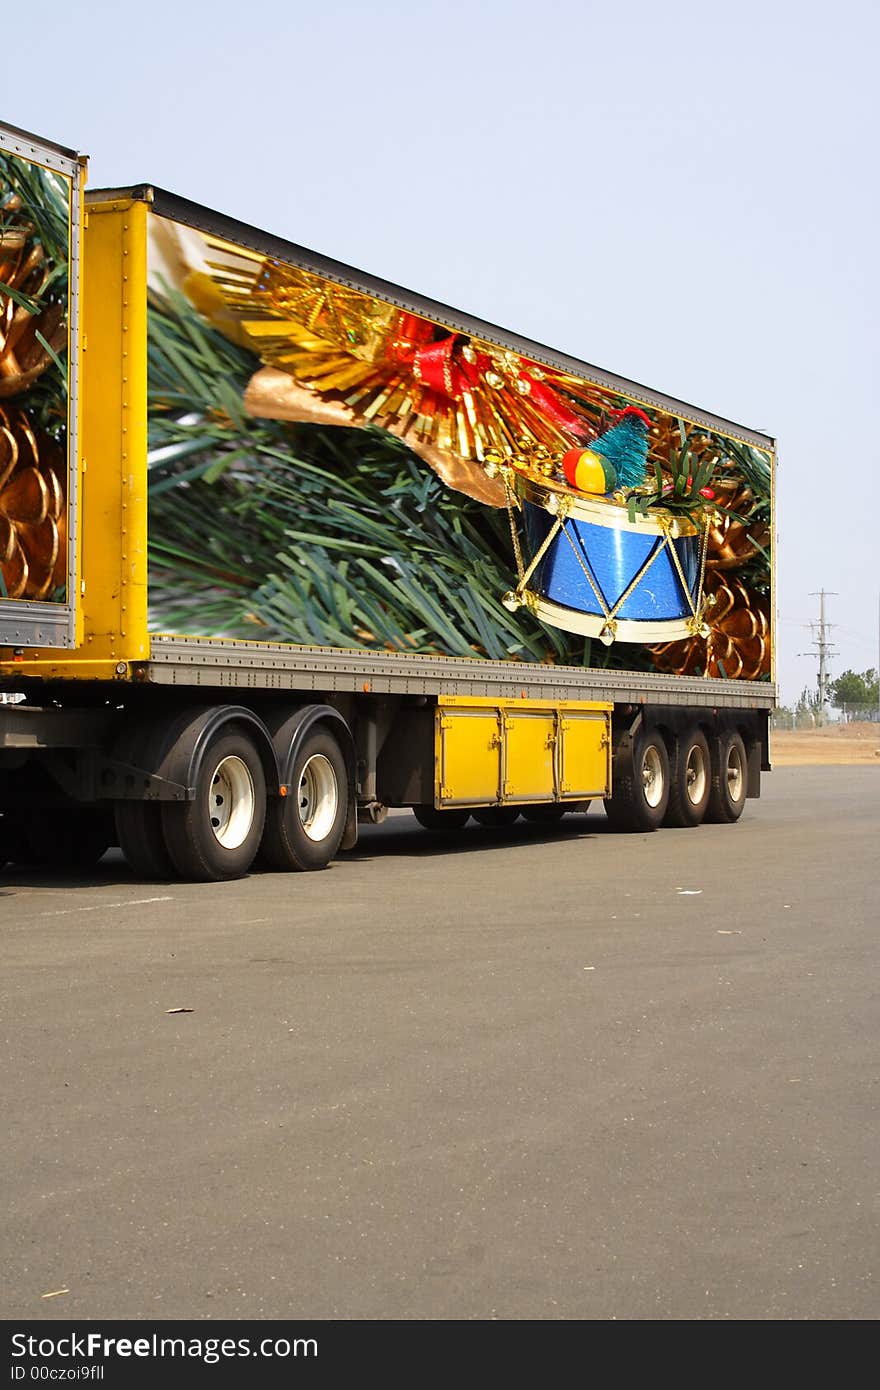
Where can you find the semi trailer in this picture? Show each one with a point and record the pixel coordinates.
(284, 545)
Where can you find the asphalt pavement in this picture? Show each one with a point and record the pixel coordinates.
(552, 1075)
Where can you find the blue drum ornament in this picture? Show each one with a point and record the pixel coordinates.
(592, 567)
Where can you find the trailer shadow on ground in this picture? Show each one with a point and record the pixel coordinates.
(399, 837)
(111, 870)
(402, 836)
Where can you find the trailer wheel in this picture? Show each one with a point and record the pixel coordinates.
(139, 832)
(727, 797)
(690, 780)
(447, 822)
(216, 835)
(550, 814)
(496, 817)
(304, 829)
(641, 786)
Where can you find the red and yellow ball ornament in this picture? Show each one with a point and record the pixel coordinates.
(587, 471)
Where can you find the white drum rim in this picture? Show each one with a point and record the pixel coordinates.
(593, 624)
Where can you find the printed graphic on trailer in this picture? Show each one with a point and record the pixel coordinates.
(35, 207)
(328, 468)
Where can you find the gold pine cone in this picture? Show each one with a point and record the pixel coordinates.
(738, 645)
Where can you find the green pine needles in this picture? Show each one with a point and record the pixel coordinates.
(310, 534)
(625, 446)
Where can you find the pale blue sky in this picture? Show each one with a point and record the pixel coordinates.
(682, 193)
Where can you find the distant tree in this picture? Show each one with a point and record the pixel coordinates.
(853, 688)
(783, 717)
(807, 710)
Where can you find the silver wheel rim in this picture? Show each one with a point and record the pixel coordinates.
(696, 775)
(652, 776)
(231, 802)
(317, 797)
(735, 776)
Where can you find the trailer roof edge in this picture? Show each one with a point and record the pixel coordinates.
(203, 219)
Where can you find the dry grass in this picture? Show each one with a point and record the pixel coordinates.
(842, 744)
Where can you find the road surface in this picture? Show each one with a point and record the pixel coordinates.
(574, 1075)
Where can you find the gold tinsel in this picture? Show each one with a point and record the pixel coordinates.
(352, 359)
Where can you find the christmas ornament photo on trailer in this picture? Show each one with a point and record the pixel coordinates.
(598, 569)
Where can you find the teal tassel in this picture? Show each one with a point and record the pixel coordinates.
(625, 446)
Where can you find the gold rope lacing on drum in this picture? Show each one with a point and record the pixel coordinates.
(514, 534)
(695, 622)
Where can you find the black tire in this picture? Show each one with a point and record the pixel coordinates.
(727, 797)
(496, 817)
(690, 779)
(139, 832)
(446, 822)
(304, 829)
(216, 835)
(640, 790)
(139, 823)
(550, 814)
